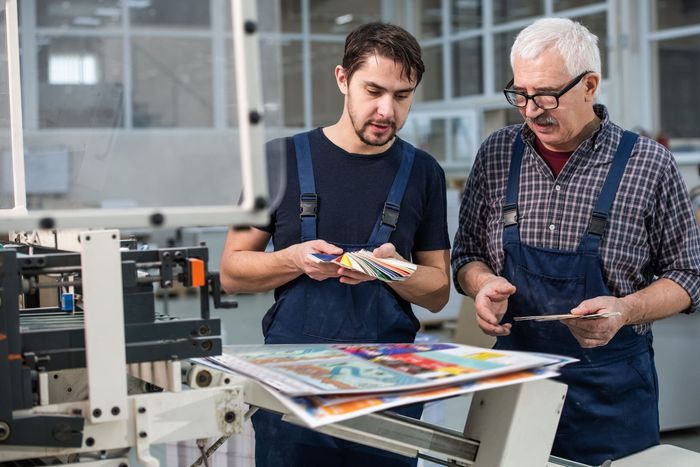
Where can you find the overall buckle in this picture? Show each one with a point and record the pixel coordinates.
(598, 223)
(510, 215)
(308, 205)
(390, 215)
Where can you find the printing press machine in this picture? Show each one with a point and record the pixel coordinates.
(49, 356)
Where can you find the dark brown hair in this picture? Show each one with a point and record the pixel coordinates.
(387, 40)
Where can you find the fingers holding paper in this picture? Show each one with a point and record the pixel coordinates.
(387, 250)
(597, 332)
(316, 270)
(491, 303)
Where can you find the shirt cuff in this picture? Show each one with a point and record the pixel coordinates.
(690, 283)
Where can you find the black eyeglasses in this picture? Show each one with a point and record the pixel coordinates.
(543, 100)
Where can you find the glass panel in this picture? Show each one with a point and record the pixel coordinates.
(431, 87)
(232, 107)
(465, 136)
(169, 13)
(675, 13)
(567, 4)
(292, 82)
(597, 24)
(430, 23)
(79, 13)
(502, 72)
(172, 82)
(96, 166)
(511, 10)
(327, 101)
(290, 16)
(7, 193)
(431, 135)
(290, 12)
(467, 67)
(341, 16)
(466, 14)
(679, 75)
(80, 82)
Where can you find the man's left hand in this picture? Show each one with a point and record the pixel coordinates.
(597, 332)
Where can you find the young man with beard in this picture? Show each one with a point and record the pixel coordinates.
(570, 213)
(350, 185)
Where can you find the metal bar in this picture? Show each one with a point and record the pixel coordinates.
(250, 104)
(15, 98)
(404, 435)
(104, 325)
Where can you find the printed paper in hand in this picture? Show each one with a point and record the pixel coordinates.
(566, 316)
(385, 269)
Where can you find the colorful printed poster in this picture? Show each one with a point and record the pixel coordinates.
(318, 369)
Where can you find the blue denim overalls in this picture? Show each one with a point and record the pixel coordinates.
(611, 405)
(311, 311)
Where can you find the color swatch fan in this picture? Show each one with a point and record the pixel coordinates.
(384, 269)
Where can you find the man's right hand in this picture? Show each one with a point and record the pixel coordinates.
(491, 304)
(318, 271)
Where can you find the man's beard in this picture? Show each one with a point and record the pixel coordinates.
(377, 142)
(360, 132)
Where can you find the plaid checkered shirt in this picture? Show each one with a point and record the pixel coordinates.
(651, 231)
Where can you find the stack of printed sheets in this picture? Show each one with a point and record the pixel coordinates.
(384, 269)
(322, 384)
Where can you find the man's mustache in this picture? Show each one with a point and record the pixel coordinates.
(541, 120)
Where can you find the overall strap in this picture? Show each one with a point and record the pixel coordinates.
(599, 217)
(511, 231)
(308, 200)
(389, 218)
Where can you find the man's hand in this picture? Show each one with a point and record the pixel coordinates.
(317, 271)
(491, 304)
(597, 332)
(352, 277)
(387, 250)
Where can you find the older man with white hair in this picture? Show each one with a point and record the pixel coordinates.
(569, 213)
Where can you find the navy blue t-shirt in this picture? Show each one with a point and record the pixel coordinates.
(352, 189)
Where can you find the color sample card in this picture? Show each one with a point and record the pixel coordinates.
(384, 269)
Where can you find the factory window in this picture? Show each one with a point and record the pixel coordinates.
(597, 24)
(290, 15)
(172, 82)
(678, 76)
(465, 15)
(676, 13)
(502, 71)
(432, 87)
(172, 14)
(91, 14)
(326, 97)
(560, 5)
(430, 18)
(341, 16)
(80, 82)
(292, 82)
(73, 69)
(505, 11)
(467, 67)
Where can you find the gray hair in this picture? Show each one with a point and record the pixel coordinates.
(577, 45)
